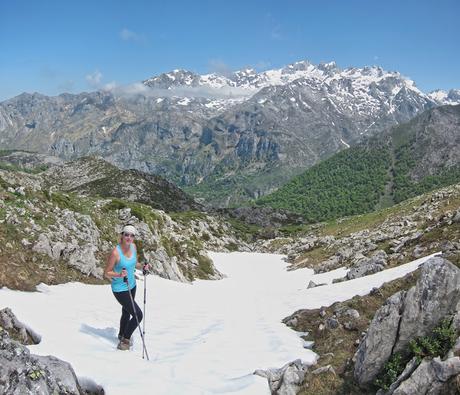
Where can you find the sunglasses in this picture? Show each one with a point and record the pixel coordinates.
(128, 235)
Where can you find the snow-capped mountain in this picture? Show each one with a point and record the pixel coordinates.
(363, 92)
(441, 97)
(244, 132)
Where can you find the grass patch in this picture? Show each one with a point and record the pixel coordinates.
(244, 230)
(312, 258)
(186, 217)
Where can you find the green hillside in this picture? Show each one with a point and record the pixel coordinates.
(350, 182)
(407, 161)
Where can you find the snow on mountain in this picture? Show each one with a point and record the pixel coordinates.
(363, 90)
(442, 97)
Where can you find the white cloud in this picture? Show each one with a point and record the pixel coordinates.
(206, 92)
(129, 35)
(94, 79)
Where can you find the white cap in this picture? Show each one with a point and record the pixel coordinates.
(129, 229)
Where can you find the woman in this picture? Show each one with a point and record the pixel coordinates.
(120, 270)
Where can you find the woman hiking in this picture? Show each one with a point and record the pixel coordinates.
(120, 267)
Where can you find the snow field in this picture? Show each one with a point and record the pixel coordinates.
(205, 338)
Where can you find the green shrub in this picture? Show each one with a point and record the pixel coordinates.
(204, 266)
(231, 246)
(437, 344)
(392, 369)
(115, 204)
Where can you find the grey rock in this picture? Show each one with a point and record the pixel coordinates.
(22, 373)
(435, 296)
(311, 284)
(9, 322)
(324, 369)
(456, 218)
(286, 380)
(377, 346)
(408, 370)
(405, 316)
(332, 323)
(366, 267)
(430, 377)
(352, 313)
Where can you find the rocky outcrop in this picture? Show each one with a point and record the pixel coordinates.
(407, 315)
(52, 230)
(436, 295)
(368, 266)
(22, 373)
(430, 377)
(286, 380)
(74, 238)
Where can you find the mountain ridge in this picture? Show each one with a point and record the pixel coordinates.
(253, 135)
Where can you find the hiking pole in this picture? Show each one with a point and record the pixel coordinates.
(144, 348)
(144, 272)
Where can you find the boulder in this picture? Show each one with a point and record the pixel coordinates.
(286, 380)
(23, 373)
(377, 346)
(435, 296)
(407, 315)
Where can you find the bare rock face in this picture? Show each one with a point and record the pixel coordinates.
(286, 380)
(377, 346)
(408, 315)
(75, 237)
(22, 373)
(436, 295)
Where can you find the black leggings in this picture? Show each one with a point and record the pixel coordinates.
(127, 325)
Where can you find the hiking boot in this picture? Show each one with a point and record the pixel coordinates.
(130, 340)
(123, 344)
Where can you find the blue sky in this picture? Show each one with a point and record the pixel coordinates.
(71, 46)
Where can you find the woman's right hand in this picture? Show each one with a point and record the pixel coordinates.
(123, 273)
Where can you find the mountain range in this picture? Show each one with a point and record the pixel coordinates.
(225, 139)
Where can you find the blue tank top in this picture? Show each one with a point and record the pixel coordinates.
(118, 285)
